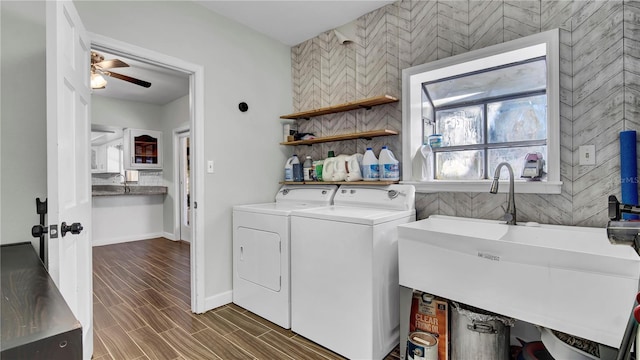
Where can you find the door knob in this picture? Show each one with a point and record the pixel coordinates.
(74, 228)
(39, 230)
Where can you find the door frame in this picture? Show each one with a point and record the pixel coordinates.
(196, 123)
(178, 134)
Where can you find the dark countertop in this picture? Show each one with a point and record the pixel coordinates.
(119, 190)
(36, 321)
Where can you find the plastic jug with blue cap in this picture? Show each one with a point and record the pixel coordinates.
(288, 169)
(389, 166)
(370, 166)
(293, 169)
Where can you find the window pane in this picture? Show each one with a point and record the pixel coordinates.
(459, 165)
(427, 117)
(461, 126)
(518, 78)
(518, 119)
(515, 157)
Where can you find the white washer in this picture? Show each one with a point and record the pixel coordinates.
(344, 270)
(261, 256)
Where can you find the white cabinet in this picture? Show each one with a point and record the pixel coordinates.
(113, 156)
(107, 158)
(143, 149)
(98, 159)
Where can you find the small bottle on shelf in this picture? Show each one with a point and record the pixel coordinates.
(307, 169)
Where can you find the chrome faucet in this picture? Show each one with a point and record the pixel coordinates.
(124, 182)
(510, 214)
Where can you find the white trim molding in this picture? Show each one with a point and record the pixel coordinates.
(545, 43)
(196, 122)
(218, 300)
(129, 238)
(520, 186)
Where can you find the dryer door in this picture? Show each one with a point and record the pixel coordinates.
(259, 257)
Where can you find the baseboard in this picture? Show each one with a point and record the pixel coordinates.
(218, 300)
(127, 238)
(170, 236)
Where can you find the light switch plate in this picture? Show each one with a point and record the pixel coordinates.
(587, 155)
(210, 166)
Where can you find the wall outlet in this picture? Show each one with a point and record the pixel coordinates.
(587, 155)
(210, 167)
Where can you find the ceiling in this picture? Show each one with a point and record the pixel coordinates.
(293, 21)
(166, 84)
(275, 19)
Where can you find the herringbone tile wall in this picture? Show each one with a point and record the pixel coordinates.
(600, 88)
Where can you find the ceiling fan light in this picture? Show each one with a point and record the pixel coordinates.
(98, 81)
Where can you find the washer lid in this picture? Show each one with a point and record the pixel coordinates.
(355, 215)
(280, 209)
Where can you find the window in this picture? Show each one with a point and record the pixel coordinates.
(490, 105)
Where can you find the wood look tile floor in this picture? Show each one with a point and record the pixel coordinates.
(142, 310)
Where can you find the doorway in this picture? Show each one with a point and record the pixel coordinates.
(195, 174)
(182, 141)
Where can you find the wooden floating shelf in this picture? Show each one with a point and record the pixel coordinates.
(359, 104)
(383, 183)
(358, 135)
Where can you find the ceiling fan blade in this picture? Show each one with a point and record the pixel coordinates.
(129, 79)
(110, 64)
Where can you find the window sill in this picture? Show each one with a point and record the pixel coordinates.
(521, 186)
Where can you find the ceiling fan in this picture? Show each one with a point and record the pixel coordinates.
(99, 69)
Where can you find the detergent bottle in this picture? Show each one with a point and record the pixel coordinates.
(339, 168)
(296, 168)
(318, 165)
(389, 166)
(288, 169)
(329, 166)
(353, 165)
(422, 165)
(370, 167)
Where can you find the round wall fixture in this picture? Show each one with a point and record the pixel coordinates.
(243, 106)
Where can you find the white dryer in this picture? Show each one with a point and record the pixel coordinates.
(344, 270)
(261, 255)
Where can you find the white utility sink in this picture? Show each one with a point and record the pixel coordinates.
(566, 278)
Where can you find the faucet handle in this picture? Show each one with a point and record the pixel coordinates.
(508, 217)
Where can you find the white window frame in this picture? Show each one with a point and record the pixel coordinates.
(541, 44)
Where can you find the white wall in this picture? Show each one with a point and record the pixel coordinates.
(165, 118)
(23, 115)
(126, 114)
(117, 219)
(174, 115)
(240, 65)
(127, 218)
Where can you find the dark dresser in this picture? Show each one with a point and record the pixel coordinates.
(36, 321)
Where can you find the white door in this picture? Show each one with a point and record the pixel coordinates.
(185, 188)
(68, 162)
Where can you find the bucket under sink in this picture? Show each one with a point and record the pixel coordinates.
(566, 278)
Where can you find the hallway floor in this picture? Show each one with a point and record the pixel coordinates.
(142, 311)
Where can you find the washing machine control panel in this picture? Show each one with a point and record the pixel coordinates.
(400, 197)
